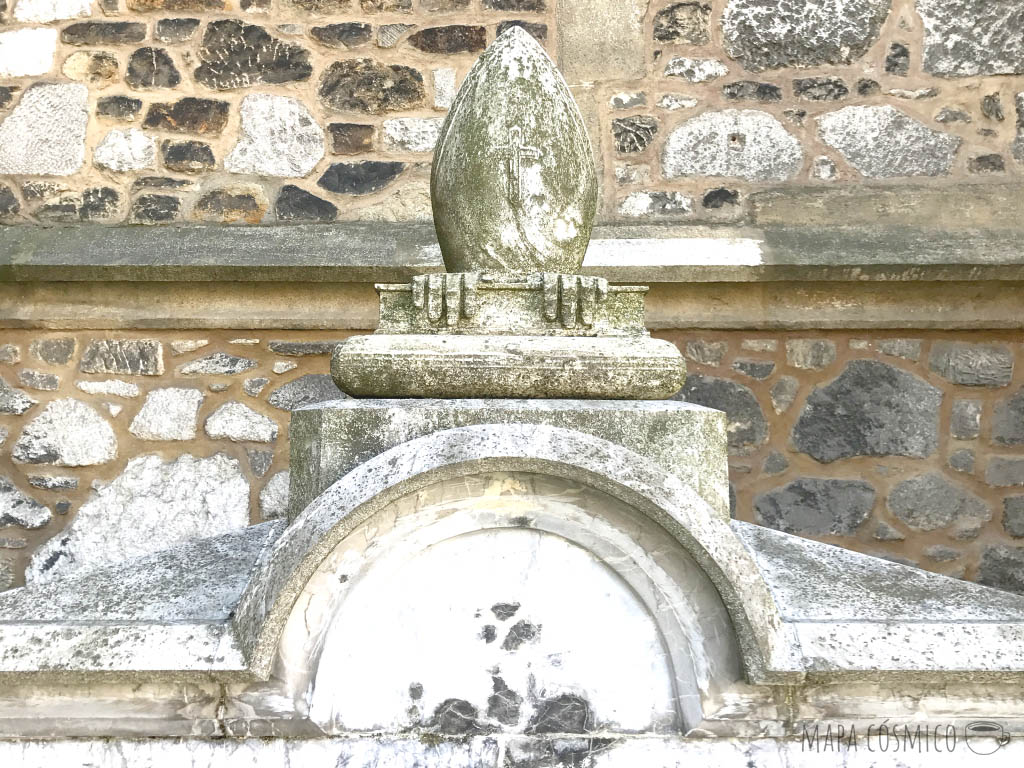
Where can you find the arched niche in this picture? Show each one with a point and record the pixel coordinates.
(510, 601)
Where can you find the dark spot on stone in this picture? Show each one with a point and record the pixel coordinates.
(992, 107)
(303, 348)
(151, 68)
(187, 156)
(488, 634)
(176, 6)
(720, 197)
(520, 632)
(986, 164)
(455, 717)
(1008, 420)
(503, 705)
(633, 134)
(871, 409)
(373, 6)
(360, 178)
(415, 691)
(1013, 516)
(811, 505)
(7, 95)
(175, 30)
(516, 6)
(950, 115)
(51, 561)
(155, 209)
(350, 138)
(795, 115)
(820, 88)
(53, 351)
(539, 31)
(747, 427)
(751, 90)
(566, 713)
(230, 205)
(205, 117)
(296, 204)
(118, 107)
(1003, 567)
(305, 390)
(99, 203)
(866, 87)
(504, 611)
(62, 507)
(683, 23)
(9, 204)
(755, 369)
(104, 33)
(457, 38)
(897, 60)
(160, 182)
(348, 35)
(321, 6)
(259, 461)
(775, 463)
(364, 85)
(237, 55)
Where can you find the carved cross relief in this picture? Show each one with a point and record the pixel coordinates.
(515, 153)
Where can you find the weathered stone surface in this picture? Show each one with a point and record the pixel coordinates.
(1008, 420)
(45, 133)
(372, 6)
(351, 138)
(95, 68)
(897, 60)
(118, 107)
(360, 178)
(305, 390)
(279, 137)
(274, 497)
(1013, 516)
(628, 100)
(140, 357)
(539, 32)
(655, 203)
(112, 387)
(238, 55)
(811, 505)
(228, 205)
(820, 88)
(695, 70)
(10, 354)
(151, 68)
(683, 23)
(47, 382)
(964, 38)
(187, 156)
(155, 209)
(706, 352)
(177, 5)
(992, 107)
(775, 463)
(810, 354)
(217, 364)
(1018, 143)
(259, 460)
(347, 35)
(719, 197)
(296, 204)
(965, 422)
(55, 351)
(238, 422)
(388, 35)
(633, 134)
(104, 33)
(962, 460)
(755, 369)
(444, 86)
(743, 144)
(302, 348)
(991, 163)
(125, 150)
(411, 134)
(802, 33)
(43, 11)
(457, 38)
(751, 90)
(972, 365)
(205, 117)
(1004, 471)
(908, 349)
(67, 433)
(516, 6)
(18, 508)
(53, 482)
(151, 506)
(1002, 567)
(747, 428)
(9, 205)
(951, 115)
(883, 142)
(676, 101)
(14, 401)
(871, 409)
(542, 213)
(364, 85)
(175, 30)
(253, 387)
(168, 414)
(929, 502)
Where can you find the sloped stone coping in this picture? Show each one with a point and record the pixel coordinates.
(766, 647)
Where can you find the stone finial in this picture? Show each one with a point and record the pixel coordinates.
(513, 185)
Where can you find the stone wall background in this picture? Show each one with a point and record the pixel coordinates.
(277, 111)
(909, 447)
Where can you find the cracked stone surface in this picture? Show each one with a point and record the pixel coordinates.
(44, 135)
(240, 423)
(18, 508)
(964, 37)
(150, 506)
(279, 137)
(168, 414)
(68, 433)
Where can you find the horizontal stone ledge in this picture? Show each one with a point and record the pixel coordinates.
(362, 252)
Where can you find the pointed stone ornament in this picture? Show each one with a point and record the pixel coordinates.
(513, 185)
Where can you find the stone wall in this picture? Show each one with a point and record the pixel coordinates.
(277, 111)
(906, 446)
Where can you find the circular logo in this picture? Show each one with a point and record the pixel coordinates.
(985, 737)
